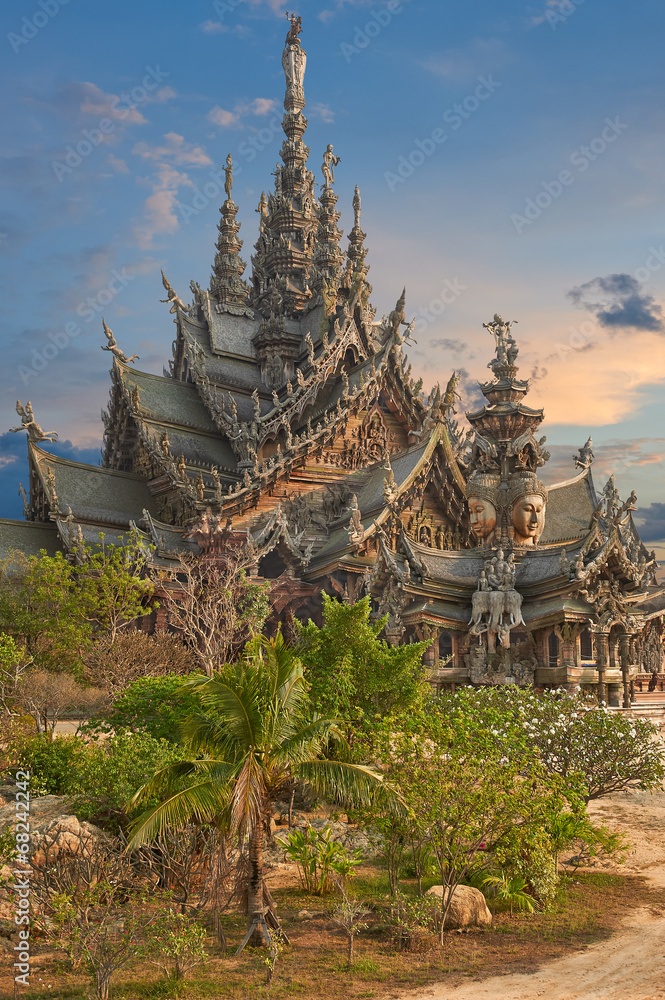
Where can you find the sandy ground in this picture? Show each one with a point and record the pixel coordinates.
(631, 964)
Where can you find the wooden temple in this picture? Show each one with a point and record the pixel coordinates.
(288, 419)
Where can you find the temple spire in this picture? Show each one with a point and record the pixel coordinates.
(226, 284)
(289, 222)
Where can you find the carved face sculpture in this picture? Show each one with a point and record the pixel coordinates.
(528, 518)
(482, 518)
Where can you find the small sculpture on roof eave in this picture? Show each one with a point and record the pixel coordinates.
(112, 346)
(584, 458)
(171, 297)
(29, 424)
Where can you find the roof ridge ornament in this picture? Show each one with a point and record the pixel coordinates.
(505, 346)
(112, 344)
(29, 424)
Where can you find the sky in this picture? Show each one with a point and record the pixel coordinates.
(509, 157)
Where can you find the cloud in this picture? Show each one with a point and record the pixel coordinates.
(617, 302)
(176, 149)
(651, 522)
(480, 56)
(212, 27)
(322, 111)
(160, 207)
(457, 346)
(118, 165)
(617, 456)
(14, 467)
(94, 101)
(225, 119)
(233, 119)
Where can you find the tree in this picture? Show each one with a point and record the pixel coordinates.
(215, 607)
(48, 696)
(14, 661)
(114, 585)
(41, 611)
(352, 673)
(467, 793)
(114, 665)
(572, 736)
(253, 736)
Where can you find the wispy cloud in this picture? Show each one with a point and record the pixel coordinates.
(175, 149)
(466, 63)
(234, 119)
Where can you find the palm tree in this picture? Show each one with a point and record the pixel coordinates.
(251, 739)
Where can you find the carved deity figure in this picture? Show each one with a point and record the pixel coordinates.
(228, 177)
(584, 458)
(330, 161)
(112, 345)
(528, 518)
(482, 518)
(29, 424)
(294, 59)
(356, 207)
(505, 346)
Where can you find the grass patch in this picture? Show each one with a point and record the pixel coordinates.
(588, 907)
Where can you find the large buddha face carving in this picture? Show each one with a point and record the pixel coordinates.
(528, 518)
(482, 518)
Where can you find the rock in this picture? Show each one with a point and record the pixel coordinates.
(310, 914)
(52, 823)
(467, 909)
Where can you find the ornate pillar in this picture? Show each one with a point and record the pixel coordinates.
(624, 647)
(568, 634)
(602, 654)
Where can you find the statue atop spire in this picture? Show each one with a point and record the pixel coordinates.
(330, 161)
(294, 59)
(228, 177)
(506, 347)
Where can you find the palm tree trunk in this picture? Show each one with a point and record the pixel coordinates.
(255, 903)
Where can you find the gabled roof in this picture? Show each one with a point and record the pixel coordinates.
(29, 537)
(570, 505)
(101, 496)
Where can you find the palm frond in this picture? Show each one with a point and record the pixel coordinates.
(349, 784)
(203, 802)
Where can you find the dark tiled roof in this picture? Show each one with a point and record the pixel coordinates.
(569, 509)
(168, 401)
(102, 496)
(29, 537)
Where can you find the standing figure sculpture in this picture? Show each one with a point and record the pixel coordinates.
(330, 161)
(228, 177)
(29, 424)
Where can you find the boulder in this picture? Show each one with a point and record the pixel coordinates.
(467, 908)
(53, 825)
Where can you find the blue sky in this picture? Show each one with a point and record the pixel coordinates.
(509, 157)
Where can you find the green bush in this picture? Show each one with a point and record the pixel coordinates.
(52, 763)
(321, 861)
(153, 705)
(111, 771)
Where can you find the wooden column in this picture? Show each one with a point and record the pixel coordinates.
(624, 647)
(602, 653)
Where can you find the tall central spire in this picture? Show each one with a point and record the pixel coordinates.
(285, 248)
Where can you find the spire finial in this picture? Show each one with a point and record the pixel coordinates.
(228, 177)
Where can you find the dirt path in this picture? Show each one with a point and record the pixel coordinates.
(631, 964)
